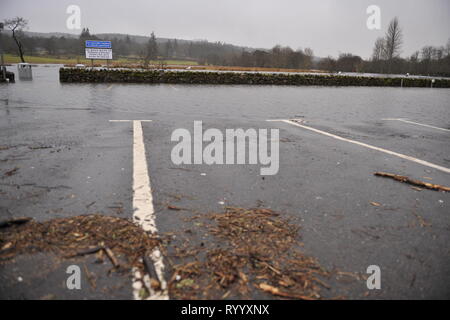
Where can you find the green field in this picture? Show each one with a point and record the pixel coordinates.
(9, 58)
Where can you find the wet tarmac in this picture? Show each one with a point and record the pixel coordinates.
(72, 160)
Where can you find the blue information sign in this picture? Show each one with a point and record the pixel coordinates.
(98, 44)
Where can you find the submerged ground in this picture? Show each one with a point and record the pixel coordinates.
(72, 160)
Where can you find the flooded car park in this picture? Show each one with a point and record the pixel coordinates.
(68, 159)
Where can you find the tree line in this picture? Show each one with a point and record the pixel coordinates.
(16, 41)
(430, 60)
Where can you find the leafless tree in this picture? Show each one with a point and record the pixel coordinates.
(309, 54)
(17, 25)
(393, 39)
(427, 53)
(328, 64)
(379, 50)
(438, 53)
(447, 48)
(415, 57)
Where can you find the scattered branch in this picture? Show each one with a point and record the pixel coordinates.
(414, 182)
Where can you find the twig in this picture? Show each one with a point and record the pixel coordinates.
(172, 207)
(16, 221)
(414, 182)
(90, 277)
(111, 257)
(9, 173)
(90, 204)
(88, 251)
(149, 267)
(277, 292)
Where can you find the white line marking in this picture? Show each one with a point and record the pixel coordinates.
(142, 195)
(422, 162)
(417, 123)
(278, 120)
(130, 120)
(144, 213)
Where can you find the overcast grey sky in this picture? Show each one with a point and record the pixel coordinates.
(329, 27)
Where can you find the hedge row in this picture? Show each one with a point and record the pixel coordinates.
(196, 77)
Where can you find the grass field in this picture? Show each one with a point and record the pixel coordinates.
(9, 58)
(259, 69)
(136, 63)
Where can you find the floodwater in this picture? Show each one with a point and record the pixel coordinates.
(73, 161)
(230, 101)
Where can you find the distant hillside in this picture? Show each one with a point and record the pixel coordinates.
(429, 60)
(137, 47)
(50, 34)
(137, 39)
(119, 36)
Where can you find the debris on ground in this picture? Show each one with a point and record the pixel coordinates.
(122, 241)
(11, 172)
(175, 208)
(150, 269)
(414, 182)
(16, 221)
(39, 147)
(342, 275)
(256, 249)
(422, 222)
(277, 292)
(90, 204)
(255, 253)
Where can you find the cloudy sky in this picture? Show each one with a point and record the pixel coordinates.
(329, 27)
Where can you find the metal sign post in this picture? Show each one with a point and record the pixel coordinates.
(2, 67)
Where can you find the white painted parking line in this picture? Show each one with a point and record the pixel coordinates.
(144, 212)
(416, 123)
(129, 120)
(400, 155)
(142, 195)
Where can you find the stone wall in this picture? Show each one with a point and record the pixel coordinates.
(198, 77)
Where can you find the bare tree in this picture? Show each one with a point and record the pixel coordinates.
(309, 55)
(16, 25)
(438, 53)
(447, 48)
(379, 50)
(427, 53)
(328, 64)
(393, 40)
(415, 57)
